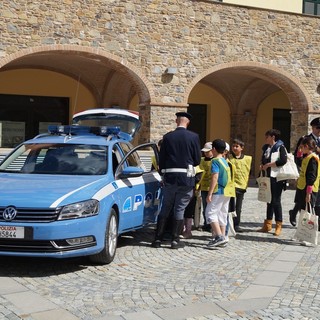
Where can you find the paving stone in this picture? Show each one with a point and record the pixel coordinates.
(54, 315)
(281, 266)
(29, 302)
(257, 276)
(9, 286)
(271, 278)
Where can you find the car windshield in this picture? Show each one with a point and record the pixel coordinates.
(52, 158)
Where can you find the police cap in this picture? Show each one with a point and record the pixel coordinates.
(315, 122)
(184, 114)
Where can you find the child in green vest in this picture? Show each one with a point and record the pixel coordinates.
(219, 194)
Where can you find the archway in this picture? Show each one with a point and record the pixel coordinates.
(245, 86)
(111, 80)
(87, 77)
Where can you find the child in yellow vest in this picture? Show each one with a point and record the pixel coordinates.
(231, 193)
(308, 181)
(242, 164)
(153, 158)
(205, 165)
(189, 212)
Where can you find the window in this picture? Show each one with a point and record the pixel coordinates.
(133, 160)
(198, 123)
(23, 117)
(282, 122)
(311, 7)
(52, 158)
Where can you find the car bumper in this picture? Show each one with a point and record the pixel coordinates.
(60, 239)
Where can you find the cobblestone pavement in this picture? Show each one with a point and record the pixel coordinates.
(191, 283)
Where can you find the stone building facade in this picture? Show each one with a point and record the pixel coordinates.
(121, 50)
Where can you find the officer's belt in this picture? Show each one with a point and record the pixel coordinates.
(174, 170)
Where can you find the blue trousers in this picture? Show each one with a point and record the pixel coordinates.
(177, 198)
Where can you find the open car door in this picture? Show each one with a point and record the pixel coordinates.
(144, 184)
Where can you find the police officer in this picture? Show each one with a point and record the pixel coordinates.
(179, 154)
(315, 135)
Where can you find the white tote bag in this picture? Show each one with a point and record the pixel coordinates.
(289, 170)
(232, 232)
(307, 230)
(264, 193)
(198, 210)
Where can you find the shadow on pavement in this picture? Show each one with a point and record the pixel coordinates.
(38, 267)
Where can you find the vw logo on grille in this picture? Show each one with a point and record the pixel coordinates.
(9, 213)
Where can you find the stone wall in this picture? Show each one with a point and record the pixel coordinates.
(189, 35)
(192, 36)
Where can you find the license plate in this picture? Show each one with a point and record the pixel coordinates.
(11, 232)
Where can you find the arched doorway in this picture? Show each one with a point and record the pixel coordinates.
(82, 79)
(246, 92)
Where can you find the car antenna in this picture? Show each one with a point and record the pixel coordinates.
(75, 100)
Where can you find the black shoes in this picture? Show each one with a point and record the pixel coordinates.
(174, 244)
(292, 218)
(156, 244)
(177, 244)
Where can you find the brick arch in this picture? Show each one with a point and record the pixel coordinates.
(291, 86)
(142, 85)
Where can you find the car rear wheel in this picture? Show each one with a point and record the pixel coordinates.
(111, 239)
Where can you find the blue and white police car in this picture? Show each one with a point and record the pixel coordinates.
(73, 191)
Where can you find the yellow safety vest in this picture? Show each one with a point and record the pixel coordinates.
(206, 178)
(242, 172)
(199, 171)
(302, 183)
(154, 163)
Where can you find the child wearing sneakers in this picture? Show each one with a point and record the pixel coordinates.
(218, 195)
(205, 165)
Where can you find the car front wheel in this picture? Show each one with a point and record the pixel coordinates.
(111, 239)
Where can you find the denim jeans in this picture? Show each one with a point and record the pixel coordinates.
(275, 206)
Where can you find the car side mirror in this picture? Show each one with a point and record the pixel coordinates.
(131, 172)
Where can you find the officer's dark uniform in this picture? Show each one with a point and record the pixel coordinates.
(179, 154)
(298, 159)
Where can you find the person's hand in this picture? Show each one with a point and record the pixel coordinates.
(209, 197)
(308, 197)
(265, 166)
(299, 154)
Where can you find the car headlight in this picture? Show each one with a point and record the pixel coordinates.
(80, 210)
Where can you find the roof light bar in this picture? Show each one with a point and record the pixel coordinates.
(105, 131)
(58, 129)
(78, 130)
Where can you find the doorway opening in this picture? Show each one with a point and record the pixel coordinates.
(198, 122)
(22, 116)
(282, 122)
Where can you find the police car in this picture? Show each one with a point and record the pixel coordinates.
(73, 191)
